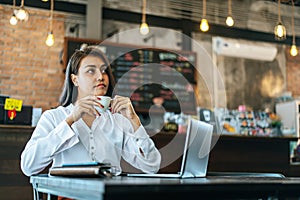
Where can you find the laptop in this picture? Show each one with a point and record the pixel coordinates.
(195, 155)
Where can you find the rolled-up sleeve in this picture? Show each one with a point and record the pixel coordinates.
(140, 151)
(49, 138)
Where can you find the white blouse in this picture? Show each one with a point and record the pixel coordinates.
(110, 137)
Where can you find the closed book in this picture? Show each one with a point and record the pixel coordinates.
(82, 170)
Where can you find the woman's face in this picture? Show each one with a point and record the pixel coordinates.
(91, 78)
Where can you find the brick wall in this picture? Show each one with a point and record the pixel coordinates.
(29, 69)
(293, 73)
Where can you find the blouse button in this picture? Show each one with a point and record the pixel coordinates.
(137, 139)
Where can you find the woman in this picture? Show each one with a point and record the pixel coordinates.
(75, 132)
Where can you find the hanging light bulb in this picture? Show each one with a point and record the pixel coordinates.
(13, 20)
(279, 30)
(229, 19)
(144, 28)
(293, 50)
(204, 26)
(22, 14)
(50, 38)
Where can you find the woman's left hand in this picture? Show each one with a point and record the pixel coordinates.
(123, 106)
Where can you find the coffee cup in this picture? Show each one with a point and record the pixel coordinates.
(105, 102)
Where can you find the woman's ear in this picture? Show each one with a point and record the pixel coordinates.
(74, 79)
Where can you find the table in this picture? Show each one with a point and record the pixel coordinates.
(245, 186)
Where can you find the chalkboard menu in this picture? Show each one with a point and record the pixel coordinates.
(143, 73)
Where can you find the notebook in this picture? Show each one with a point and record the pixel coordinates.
(196, 150)
(90, 169)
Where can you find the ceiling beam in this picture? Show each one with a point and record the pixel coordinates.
(63, 6)
(192, 26)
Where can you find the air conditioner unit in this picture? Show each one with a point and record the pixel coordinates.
(244, 49)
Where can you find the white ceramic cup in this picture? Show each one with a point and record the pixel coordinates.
(105, 101)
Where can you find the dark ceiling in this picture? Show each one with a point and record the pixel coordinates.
(289, 2)
(80, 8)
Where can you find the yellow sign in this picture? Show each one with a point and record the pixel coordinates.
(13, 104)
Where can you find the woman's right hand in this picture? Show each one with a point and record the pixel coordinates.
(84, 106)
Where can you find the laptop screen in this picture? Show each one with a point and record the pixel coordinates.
(171, 147)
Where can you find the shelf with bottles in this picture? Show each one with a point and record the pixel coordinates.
(249, 123)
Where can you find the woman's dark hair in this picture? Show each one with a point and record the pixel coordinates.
(70, 91)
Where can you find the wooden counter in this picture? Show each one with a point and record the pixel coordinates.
(233, 153)
(13, 183)
(252, 154)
